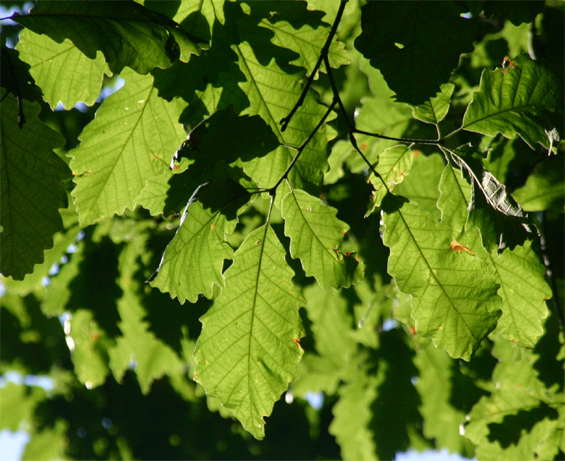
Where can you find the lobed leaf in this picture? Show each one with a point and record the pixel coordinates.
(516, 100)
(61, 70)
(315, 237)
(128, 34)
(518, 271)
(193, 261)
(31, 190)
(454, 297)
(272, 93)
(132, 139)
(246, 354)
(393, 165)
(435, 110)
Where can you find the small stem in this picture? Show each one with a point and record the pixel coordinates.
(406, 140)
(324, 53)
(351, 129)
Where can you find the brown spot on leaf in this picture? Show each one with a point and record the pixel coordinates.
(456, 246)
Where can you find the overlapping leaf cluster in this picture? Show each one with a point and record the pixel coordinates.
(231, 173)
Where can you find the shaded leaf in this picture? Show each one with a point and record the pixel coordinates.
(15, 75)
(518, 99)
(352, 416)
(31, 188)
(132, 139)
(435, 387)
(128, 34)
(316, 236)
(138, 347)
(63, 72)
(454, 298)
(245, 354)
(394, 38)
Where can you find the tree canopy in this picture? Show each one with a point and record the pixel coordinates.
(293, 230)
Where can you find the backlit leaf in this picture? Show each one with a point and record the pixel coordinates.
(128, 34)
(518, 99)
(393, 165)
(193, 261)
(454, 298)
(127, 143)
(63, 72)
(245, 354)
(316, 236)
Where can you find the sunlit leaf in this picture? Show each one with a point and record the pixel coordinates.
(316, 236)
(435, 110)
(63, 72)
(123, 146)
(246, 354)
(193, 261)
(393, 165)
(454, 298)
(516, 100)
(128, 34)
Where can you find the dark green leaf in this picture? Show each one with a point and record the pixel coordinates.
(31, 189)
(127, 33)
(399, 39)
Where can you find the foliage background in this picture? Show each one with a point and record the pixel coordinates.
(119, 352)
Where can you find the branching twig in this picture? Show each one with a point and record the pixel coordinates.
(273, 189)
(285, 121)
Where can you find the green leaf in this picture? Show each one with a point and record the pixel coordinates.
(306, 40)
(435, 387)
(15, 75)
(17, 404)
(138, 344)
(454, 298)
(435, 110)
(132, 139)
(315, 237)
(521, 417)
(332, 325)
(31, 188)
(545, 188)
(63, 72)
(524, 292)
(245, 354)
(394, 37)
(193, 261)
(87, 350)
(518, 271)
(352, 416)
(518, 99)
(128, 34)
(421, 186)
(272, 94)
(393, 165)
